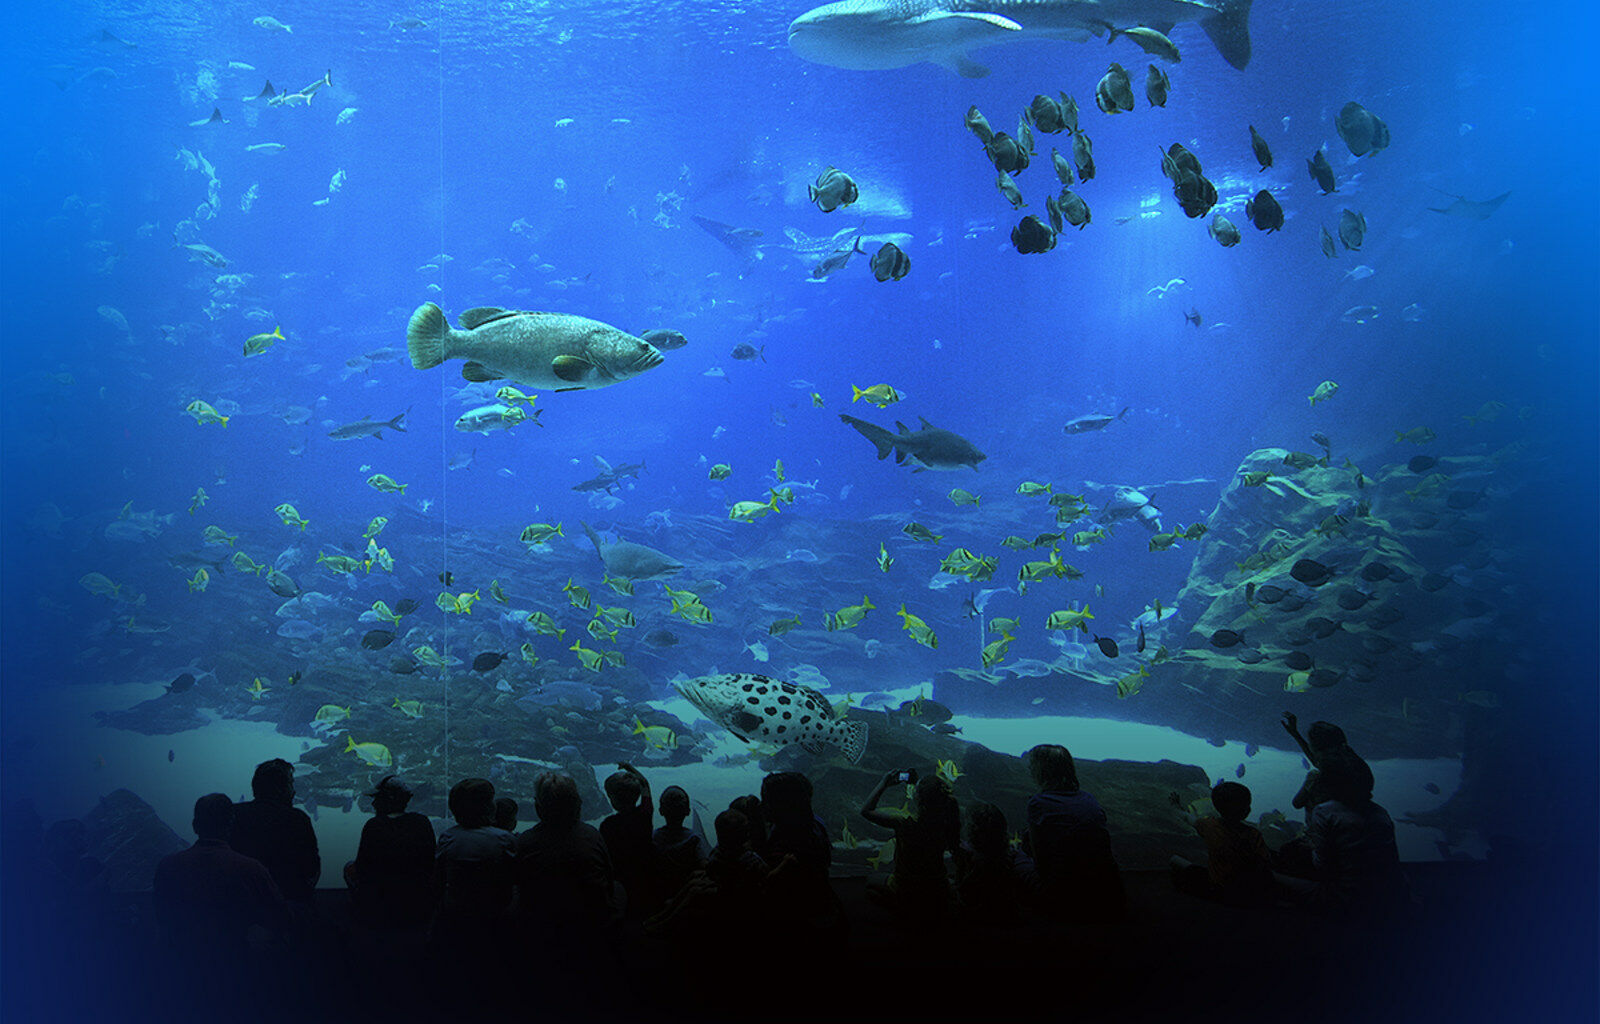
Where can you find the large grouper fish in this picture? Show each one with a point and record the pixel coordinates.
(873, 35)
(760, 710)
(556, 351)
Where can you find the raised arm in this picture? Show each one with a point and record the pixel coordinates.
(869, 810)
(1291, 725)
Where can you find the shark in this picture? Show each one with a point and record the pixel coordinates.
(627, 560)
(926, 448)
(877, 35)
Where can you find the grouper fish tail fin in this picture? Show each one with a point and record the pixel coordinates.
(1229, 31)
(426, 336)
(854, 740)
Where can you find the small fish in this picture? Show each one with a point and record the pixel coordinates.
(1224, 638)
(1324, 391)
(832, 189)
(880, 395)
(1322, 171)
(1258, 146)
(488, 661)
(377, 639)
(259, 343)
(1264, 211)
(889, 263)
(837, 260)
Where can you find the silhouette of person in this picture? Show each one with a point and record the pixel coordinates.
(278, 834)
(627, 834)
(207, 898)
(679, 852)
(1353, 850)
(563, 869)
(1069, 841)
(1238, 868)
(918, 887)
(505, 813)
(391, 879)
(800, 853)
(473, 878)
(1322, 741)
(994, 880)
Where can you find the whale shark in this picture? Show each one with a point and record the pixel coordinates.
(876, 35)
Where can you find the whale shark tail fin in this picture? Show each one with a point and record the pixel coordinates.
(1229, 30)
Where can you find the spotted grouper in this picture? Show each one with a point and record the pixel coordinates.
(557, 351)
(761, 710)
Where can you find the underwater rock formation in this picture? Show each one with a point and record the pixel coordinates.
(127, 836)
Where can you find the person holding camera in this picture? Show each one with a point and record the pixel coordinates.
(918, 886)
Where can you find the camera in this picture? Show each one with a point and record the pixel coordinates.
(908, 777)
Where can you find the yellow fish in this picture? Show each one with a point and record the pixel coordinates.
(590, 660)
(375, 754)
(203, 413)
(95, 583)
(259, 343)
(880, 395)
(657, 737)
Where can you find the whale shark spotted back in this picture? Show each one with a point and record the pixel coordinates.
(873, 35)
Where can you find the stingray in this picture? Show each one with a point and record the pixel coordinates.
(627, 560)
(1467, 209)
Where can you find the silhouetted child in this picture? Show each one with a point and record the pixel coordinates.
(738, 871)
(994, 880)
(627, 835)
(505, 813)
(749, 805)
(679, 852)
(1239, 869)
(728, 891)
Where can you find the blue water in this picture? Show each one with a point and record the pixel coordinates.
(556, 153)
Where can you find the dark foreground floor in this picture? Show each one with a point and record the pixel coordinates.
(1482, 946)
